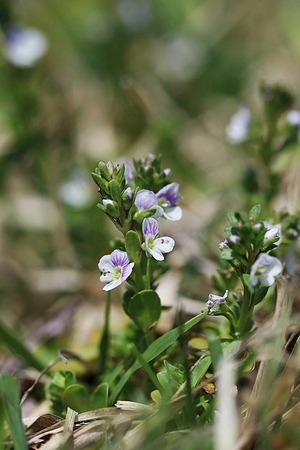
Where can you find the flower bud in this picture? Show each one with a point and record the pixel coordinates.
(111, 208)
(105, 170)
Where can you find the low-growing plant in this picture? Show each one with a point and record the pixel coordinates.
(225, 376)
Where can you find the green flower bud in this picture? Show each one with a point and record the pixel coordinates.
(111, 208)
(106, 170)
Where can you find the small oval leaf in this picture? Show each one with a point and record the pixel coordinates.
(133, 246)
(144, 308)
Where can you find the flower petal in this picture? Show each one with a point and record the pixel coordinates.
(164, 244)
(106, 277)
(172, 213)
(119, 258)
(145, 199)
(150, 227)
(169, 193)
(105, 264)
(156, 253)
(127, 271)
(113, 284)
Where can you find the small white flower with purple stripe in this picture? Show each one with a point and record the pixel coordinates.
(215, 300)
(168, 197)
(155, 245)
(265, 270)
(115, 269)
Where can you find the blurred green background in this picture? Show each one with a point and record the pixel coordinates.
(118, 79)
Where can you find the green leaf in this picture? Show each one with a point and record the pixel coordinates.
(133, 246)
(115, 191)
(16, 346)
(126, 300)
(171, 378)
(215, 350)
(156, 396)
(199, 370)
(100, 182)
(10, 399)
(247, 364)
(226, 254)
(198, 343)
(76, 397)
(255, 213)
(99, 398)
(113, 209)
(260, 295)
(231, 216)
(144, 308)
(155, 349)
(231, 348)
(139, 216)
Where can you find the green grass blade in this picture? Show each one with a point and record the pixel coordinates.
(16, 346)
(10, 399)
(156, 349)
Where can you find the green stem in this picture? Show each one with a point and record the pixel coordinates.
(149, 273)
(246, 309)
(139, 283)
(104, 342)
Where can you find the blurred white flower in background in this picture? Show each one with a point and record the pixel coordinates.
(77, 191)
(180, 58)
(24, 46)
(134, 14)
(293, 117)
(238, 127)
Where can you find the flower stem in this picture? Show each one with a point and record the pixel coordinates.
(148, 273)
(246, 309)
(104, 342)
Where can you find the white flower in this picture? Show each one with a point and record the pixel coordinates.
(265, 270)
(272, 232)
(76, 190)
(155, 245)
(115, 269)
(238, 127)
(24, 46)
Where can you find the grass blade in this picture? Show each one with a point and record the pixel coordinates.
(8, 338)
(10, 399)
